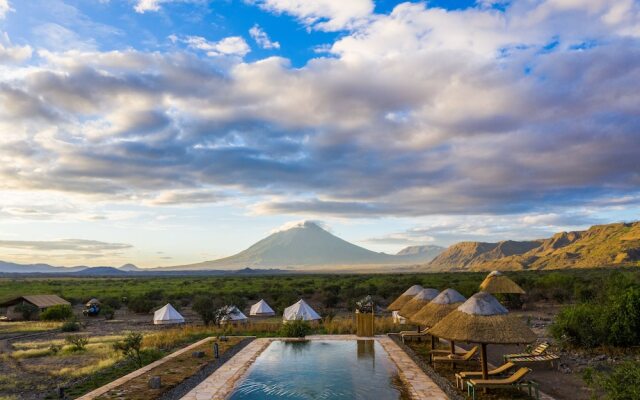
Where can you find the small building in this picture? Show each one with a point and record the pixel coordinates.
(40, 301)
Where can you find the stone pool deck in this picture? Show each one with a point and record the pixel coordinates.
(220, 384)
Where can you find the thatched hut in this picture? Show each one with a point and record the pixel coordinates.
(496, 282)
(418, 301)
(482, 319)
(438, 308)
(404, 298)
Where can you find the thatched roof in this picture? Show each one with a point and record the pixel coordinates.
(482, 319)
(404, 298)
(418, 301)
(497, 282)
(438, 308)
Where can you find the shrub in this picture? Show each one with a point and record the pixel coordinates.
(130, 347)
(113, 302)
(623, 318)
(78, 343)
(298, 328)
(107, 312)
(27, 310)
(70, 326)
(210, 310)
(622, 383)
(140, 304)
(54, 349)
(615, 322)
(58, 312)
(580, 325)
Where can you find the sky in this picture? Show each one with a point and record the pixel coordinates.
(167, 132)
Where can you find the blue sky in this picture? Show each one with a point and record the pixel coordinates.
(164, 132)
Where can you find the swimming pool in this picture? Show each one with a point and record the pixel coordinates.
(321, 369)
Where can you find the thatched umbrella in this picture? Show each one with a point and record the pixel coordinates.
(418, 301)
(496, 282)
(438, 308)
(482, 319)
(404, 298)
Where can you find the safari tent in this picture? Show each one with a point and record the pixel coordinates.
(234, 316)
(261, 309)
(40, 301)
(300, 311)
(167, 315)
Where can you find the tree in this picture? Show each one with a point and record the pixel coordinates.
(130, 347)
(211, 310)
(27, 310)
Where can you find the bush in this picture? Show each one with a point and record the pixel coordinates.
(623, 383)
(130, 347)
(581, 325)
(70, 326)
(298, 328)
(58, 312)
(78, 343)
(140, 304)
(614, 322)
(27, 310)
(107, 312)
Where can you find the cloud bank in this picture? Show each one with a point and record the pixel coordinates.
(417, 112)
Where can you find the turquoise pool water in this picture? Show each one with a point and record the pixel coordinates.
(319, 369)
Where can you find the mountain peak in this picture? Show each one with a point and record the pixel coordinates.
(129, 267)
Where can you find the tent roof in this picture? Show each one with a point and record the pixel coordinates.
(261, 308)
(93, 301)
(234, 314)
(300, 310)
(38, 300)
(482, 319)
(497, 282)
(168, 313)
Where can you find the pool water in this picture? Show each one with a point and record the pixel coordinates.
(321, 369)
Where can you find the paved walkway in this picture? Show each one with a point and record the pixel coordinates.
(220, 384)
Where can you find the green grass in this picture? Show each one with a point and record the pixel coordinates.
(28, 326)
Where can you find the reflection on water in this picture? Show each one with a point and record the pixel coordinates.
(331, 369)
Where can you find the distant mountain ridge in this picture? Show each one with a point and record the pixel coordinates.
(304, 245)
(427, 252)
(599, 246)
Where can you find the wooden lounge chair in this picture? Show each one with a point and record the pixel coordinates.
(455, 358)
(538, 350)
(516, 380)
(548, 357)
(413, 335)
(466, 375)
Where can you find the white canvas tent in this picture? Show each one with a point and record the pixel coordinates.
(261, 309)
(167, 315)
(300, 311)
(234, 316)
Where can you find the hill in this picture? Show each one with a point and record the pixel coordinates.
(130, 268)
(304, 245)
(599, 246)
(426, 252)
(9, 267)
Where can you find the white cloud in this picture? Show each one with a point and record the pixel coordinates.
(262, 39)
(10, 53)
(5, 7)
(326, 15)
(143, 6)
(229, 46)
(423, 111)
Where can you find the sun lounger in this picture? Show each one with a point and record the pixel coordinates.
(413, 334)
(466, 375)
(516, 380)
(455, 358)
(550, 358)
(538, 350)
